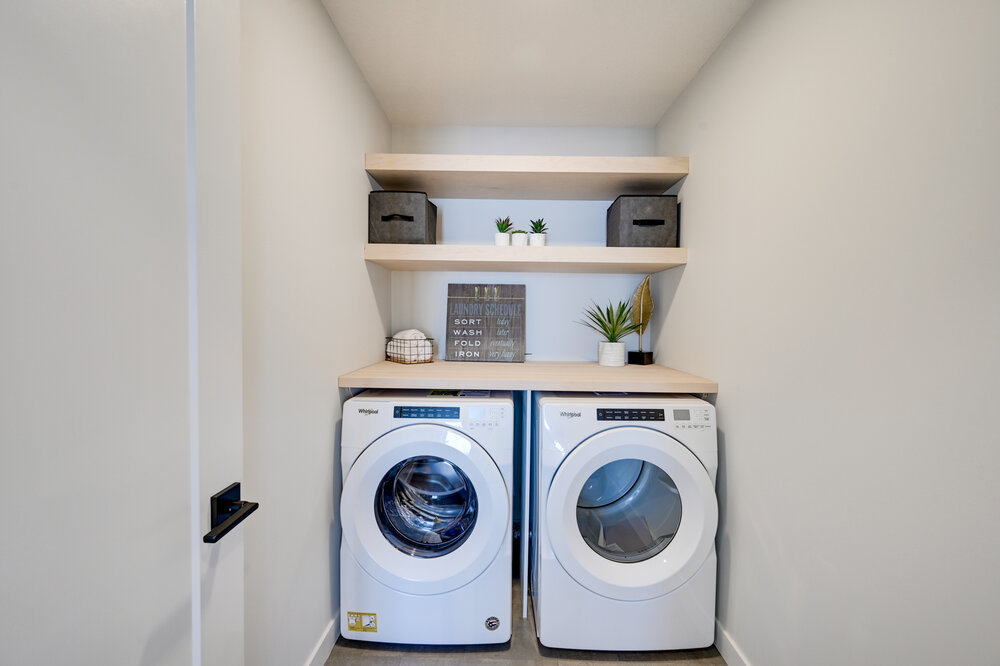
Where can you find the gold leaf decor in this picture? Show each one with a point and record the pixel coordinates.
(642, 308)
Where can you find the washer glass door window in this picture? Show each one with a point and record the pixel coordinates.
(426, 506)
(424, 509)
(629, 510)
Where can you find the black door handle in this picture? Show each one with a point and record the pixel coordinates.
(228, 512)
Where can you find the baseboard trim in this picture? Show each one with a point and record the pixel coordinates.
(326, 642)
(727, 647)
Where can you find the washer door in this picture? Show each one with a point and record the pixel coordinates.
(632, 513)
(424, 509)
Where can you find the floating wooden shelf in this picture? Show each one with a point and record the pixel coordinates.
(547, 259)
(529, 376)
(525, 176)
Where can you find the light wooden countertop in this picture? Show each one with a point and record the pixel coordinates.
(528, 376)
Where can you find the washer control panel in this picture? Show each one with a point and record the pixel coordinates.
(483, 416)
(626, 414)
(425, 412)
(474, 416)
(692, 418)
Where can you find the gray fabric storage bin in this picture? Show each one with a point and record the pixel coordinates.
(643, 221)
(401, 217)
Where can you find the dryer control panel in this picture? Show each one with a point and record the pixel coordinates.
(686, 418)
(626, 414)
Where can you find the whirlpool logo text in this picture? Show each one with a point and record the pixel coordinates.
(571, 415)
(367, 411)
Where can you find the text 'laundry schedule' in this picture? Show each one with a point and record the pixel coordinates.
(485, 323)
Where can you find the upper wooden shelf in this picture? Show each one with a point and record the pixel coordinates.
(525, 176)
(528, 376)
(547, 259)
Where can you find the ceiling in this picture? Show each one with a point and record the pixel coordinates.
(569, 63)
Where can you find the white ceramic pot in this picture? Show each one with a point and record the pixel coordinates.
(611, 353)
(501, 238)
(519, 239)
(537, 240)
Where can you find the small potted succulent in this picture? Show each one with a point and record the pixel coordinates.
(539, 233)
(614, 323)
(502, 236)
(519, 237)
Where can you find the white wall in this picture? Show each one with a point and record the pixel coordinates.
(312, 311)
(841, 215)
(555, 301)
(463, 139)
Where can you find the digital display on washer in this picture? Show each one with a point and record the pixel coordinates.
(425, 412)
(682, 415)
(629, 414)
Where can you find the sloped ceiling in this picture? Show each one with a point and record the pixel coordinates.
(570, 63)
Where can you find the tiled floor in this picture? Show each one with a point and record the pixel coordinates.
(522, 649)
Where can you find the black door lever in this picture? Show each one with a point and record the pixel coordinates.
(228, 512)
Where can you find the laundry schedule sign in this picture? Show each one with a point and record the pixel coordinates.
(485, 323)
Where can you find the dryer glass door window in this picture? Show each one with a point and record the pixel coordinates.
(425, 506)
(628, 510)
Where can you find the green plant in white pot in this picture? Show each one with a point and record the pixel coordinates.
(519, 237)
(614, 323)
(502, 236)
(539, 232)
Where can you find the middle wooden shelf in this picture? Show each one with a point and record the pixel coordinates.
(545, 259)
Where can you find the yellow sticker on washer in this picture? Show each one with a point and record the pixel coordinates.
(362, 621)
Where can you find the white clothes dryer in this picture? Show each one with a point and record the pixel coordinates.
(625, 516)
(426, 513)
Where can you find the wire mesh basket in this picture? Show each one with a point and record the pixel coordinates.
(402, 350)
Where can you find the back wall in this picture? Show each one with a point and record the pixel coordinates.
(555, 301)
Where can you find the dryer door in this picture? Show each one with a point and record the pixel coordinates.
(424, 509)
(632, 513)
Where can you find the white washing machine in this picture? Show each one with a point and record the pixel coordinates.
(426, 512)
(625, 515)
